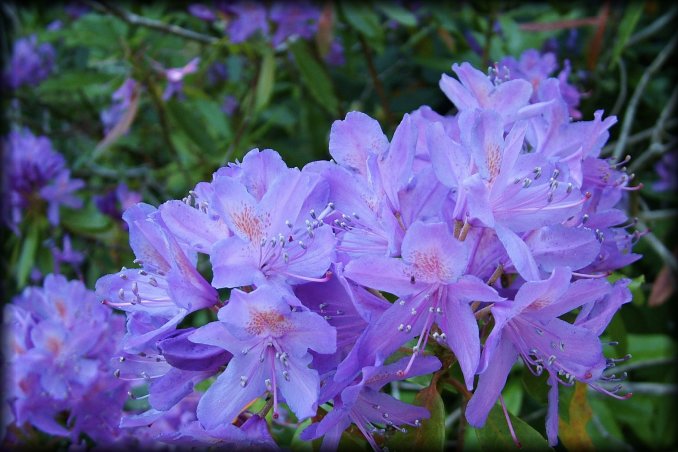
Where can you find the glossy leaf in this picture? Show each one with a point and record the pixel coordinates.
(314, 76)
(495, 435)
(430, 436)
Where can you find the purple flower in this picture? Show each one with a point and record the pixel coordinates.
(230, 105)
(270, 344)
(362, 404)
(432, 287)
(66, 255)
(249, 17)
(175, 77)
(276, 239)
(202, 12)
(529, 327)
(115, 201)
(30, 64)
(476, 90)
(123, 98)
(535, 67)
(59, 340)
(293, 19)
(38, 172)
(167, 288)
(494, 186)
(666, 169)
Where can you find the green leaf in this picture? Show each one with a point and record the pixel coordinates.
(27, 255)
(266, 81)
(430, 436)
(191, 122)
(628, 23)
(495, 435)
(361, 16)
(536, 386)
(398, 13)
(315, 77)
(85, 221)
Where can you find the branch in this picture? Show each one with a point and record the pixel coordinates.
(638, 93)
(134, 19)
(378, 87)
(656, 146)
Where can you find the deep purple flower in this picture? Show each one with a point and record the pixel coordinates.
(38, 172)
(30, 64)
(249, 17)
(59, 340)
(202, 12)
(293, 19)
(230, 105)
(123, 98)
(270, 345)
(115, 201)
(666, 169)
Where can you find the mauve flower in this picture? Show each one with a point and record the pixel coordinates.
(175, 78)
(530, 327)
(666, 169)
(38, 172)
(122, 100)
(270, 343)
(57, 345)
(167, 287)
(30, 64)
(293, 19)
(247, 18)
(432, 287)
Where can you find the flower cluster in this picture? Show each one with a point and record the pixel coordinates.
(485, 227)
(31, 63)
(278, 22)
(36, 174)
(58, 377)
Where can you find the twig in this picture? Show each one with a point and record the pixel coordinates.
(165, 125)
(630, 365)
(638, 137)
(135, 19)
(630, 114)
(659, 247)
(652, 388)
(376, 81)
(559, 24)
(489, 32)
(652, 28)
(656, 146)
(659, 214)
(623, 88)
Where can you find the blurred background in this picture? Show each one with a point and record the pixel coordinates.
(106, 104)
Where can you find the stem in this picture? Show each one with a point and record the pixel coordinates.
(623, 88)
(134, 19)
(638, 93)
(164, 125)
(489, 32)
(656, 147)
(653, 28)
(376, 81)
